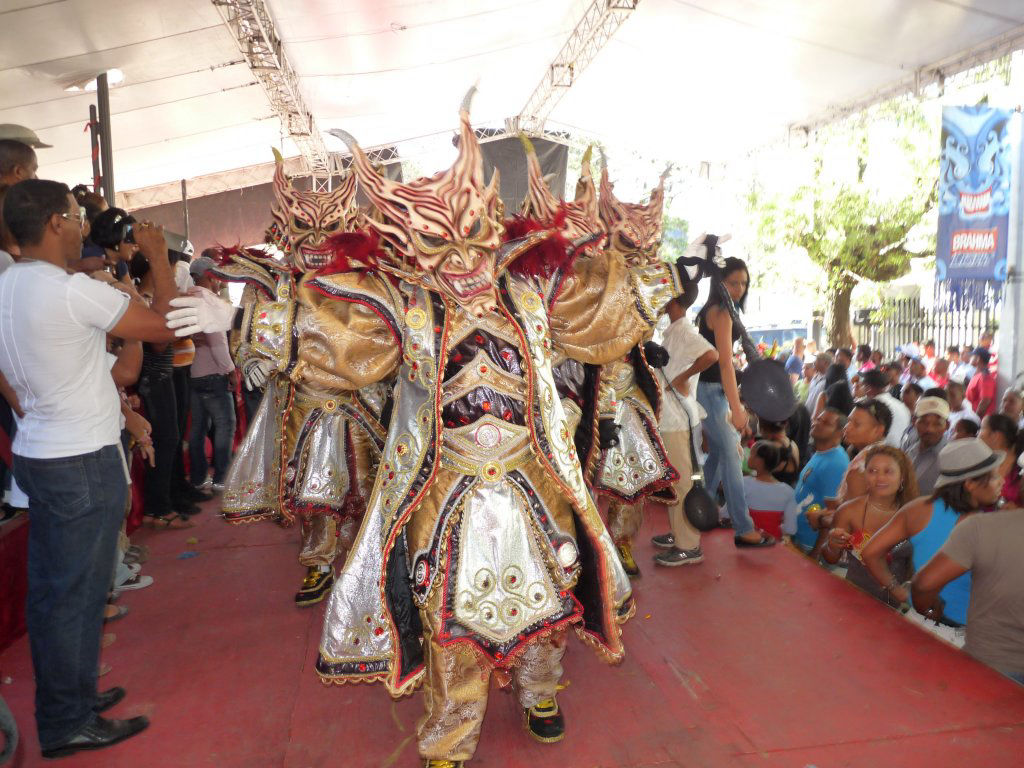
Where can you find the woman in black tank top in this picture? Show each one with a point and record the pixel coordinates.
(718, 394)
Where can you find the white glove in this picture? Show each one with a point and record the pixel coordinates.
(202, 311)
(255, 371)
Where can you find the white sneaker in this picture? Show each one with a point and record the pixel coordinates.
(136, 582)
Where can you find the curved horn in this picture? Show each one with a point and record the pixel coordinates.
(540, 201)
(467, 100)
(280, 180)
(345, 136)
(377, 187)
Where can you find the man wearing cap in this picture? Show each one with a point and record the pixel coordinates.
(931, 422)
(876, 385)
(17, 157)
(211, 399)
(981, 392)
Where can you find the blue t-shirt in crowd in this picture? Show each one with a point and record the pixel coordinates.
(795, 365)
(928, 541)
(819, 481)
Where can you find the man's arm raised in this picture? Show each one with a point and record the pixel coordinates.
(140, 323)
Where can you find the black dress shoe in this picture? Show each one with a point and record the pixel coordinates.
(545, 722)
(98, 734)
(108, 699)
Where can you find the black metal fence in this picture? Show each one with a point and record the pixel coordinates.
(904, 321)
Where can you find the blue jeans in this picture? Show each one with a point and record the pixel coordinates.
(76, 507)
(723, 465)
(211, 402)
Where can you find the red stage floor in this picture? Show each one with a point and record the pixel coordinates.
(753, 658)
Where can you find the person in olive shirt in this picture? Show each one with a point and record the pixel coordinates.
(989, 546)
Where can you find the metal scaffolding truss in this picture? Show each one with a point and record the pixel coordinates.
(253, 29)
(600, 21)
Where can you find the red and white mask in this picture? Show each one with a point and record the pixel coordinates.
(634, 229)
(446, 228)
(303, 221)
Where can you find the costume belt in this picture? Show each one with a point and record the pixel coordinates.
(491, 471)
(488, 448)
(310, 400)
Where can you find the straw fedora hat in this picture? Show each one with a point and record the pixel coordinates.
(964, 459)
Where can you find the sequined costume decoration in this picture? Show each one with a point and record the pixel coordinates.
(481, 542)
(310, 454)
(637, 469)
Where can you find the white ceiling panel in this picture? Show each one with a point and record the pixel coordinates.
(683, 79)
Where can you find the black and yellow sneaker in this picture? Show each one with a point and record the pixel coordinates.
(314, 587)
(544, 721)
(626, 557)
(442, 764)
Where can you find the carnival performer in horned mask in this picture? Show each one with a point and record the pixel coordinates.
(633, 466)
(481, 545)
(310, 453)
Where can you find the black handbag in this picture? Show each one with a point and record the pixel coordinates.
(699, 506)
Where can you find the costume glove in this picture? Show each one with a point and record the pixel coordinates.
(255, 371)
(202, 311)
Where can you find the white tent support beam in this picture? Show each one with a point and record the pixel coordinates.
(211, 184)
(251, 25)
(918, 80)
(600, 21)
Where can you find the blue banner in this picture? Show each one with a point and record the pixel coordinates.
(974, 194)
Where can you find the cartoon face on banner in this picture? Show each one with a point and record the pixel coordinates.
(634, 229)
(975, 163)
(303, 221)
(447, 228)
(975, 181)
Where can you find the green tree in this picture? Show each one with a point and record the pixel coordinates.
(849, 223)
(674, 237)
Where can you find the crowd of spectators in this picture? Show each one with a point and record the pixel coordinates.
(871, 477)
(904, 458)
(96, 393)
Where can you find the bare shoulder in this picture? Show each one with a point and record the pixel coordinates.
(916, 513)
(848, 511)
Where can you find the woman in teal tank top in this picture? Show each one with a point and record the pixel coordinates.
(968, 482)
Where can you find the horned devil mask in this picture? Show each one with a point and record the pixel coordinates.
(634, 229)
(303, 221)
(446, 229)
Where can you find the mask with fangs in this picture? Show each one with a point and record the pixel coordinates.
(445, 230)
(303, 222)
(634, 229)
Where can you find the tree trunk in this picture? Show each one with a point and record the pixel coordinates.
(837, 311)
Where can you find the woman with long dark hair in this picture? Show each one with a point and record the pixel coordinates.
(718, 394)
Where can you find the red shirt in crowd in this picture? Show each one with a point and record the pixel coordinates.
(982, 386)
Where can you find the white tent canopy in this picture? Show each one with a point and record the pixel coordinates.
(686, 80)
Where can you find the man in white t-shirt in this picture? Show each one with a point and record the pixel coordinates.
(67, 456)
(689, 354)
